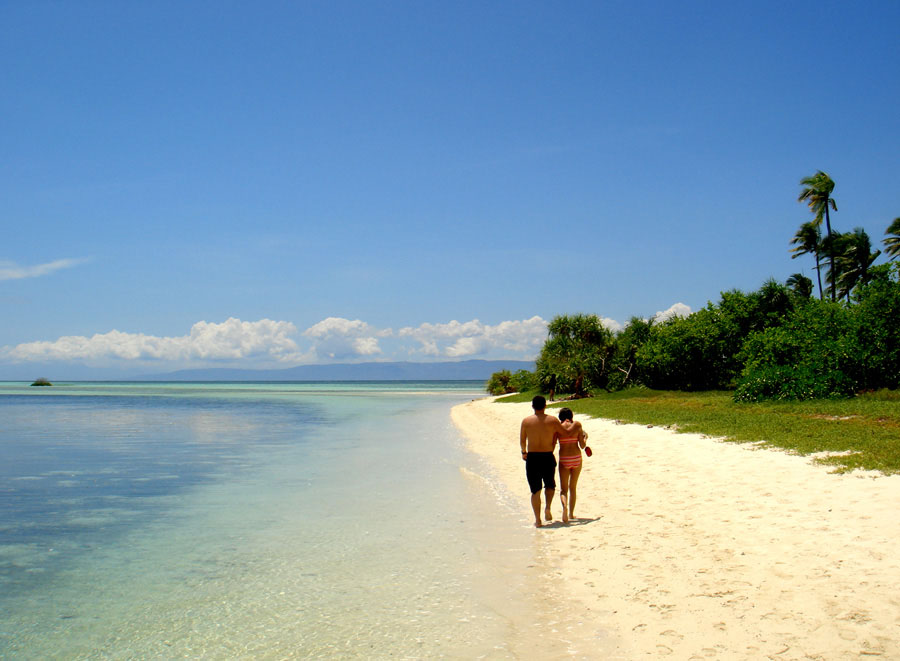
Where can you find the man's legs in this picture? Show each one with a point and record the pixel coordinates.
(539, 469)
(536, 506)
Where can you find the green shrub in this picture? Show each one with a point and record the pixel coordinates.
(523, 381)
(878, 333)
(814, 355)
(504, 382)
(498, 384)
(702, 351)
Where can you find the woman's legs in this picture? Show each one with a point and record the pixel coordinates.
(564, 491)
(572, 482)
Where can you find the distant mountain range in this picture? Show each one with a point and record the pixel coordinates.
(464, 370)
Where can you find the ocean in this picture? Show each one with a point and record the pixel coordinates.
(258, 520)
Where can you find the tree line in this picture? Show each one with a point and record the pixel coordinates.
(779, 342)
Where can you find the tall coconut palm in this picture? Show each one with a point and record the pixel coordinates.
(834, 246)
(892, 242)
(817, 195)
(855, 258)
(808, 240)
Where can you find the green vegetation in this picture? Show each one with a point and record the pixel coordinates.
(775, 344)
(817, 194)
(575, 355)
(892, 242)
(775, 366)
(504, 381)
(864, 429)
(41, 382)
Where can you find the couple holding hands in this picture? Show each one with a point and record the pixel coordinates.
(538, 436)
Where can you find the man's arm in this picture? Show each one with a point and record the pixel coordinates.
(523, 438)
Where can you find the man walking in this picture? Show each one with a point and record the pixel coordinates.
(537, 437)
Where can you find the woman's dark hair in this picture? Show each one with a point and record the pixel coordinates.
(565, 414)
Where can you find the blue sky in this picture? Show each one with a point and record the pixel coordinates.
(268, 184)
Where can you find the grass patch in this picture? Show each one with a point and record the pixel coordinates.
(865, 429)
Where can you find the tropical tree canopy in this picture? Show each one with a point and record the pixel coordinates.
(576, 354)
(816, 193)
(800, 285)
(892, 242)
(854, 259)
(808, 241)
(775, 343)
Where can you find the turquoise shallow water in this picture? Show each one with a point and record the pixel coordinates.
(256, 521)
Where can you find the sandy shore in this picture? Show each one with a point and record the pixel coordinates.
(692, 548)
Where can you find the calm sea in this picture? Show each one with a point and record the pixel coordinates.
(257, 520)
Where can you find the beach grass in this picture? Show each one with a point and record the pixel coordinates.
(861, 432)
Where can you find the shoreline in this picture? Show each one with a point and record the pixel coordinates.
(694, 548)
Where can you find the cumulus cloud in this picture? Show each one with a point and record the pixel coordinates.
(268, 342)
(232, 339)
(13, 271)
(339, 338)
(677, 310)
(611, 324)
(473, 338)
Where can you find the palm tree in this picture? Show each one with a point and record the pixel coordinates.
(801, 285)
(808, 239)
(834, 245)
(817, 195)
(855, 258)
(892, 242)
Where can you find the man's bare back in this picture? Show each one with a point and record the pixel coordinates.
(539, 432)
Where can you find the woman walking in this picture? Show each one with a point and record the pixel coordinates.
(570, 447)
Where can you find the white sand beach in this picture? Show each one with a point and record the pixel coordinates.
(687, 547)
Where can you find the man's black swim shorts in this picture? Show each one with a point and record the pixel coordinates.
(540, 467)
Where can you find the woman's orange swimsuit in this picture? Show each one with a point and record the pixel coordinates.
(572, 460)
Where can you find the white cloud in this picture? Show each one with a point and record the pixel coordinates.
(12, 271)
(271, 343)
(677, 310)
(233, 339)
(339, 338)
(611, 324)
(242, 339)
(473, 338)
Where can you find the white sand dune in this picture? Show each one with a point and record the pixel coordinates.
(691, 548)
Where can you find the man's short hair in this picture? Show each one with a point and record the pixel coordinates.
(538, 403)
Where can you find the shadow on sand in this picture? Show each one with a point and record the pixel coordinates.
(557, 523)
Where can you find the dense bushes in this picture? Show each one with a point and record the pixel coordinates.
(768, 344)
(504, 382)
(702, 351)
(827, 349)
(878, 332)
(814, 355)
